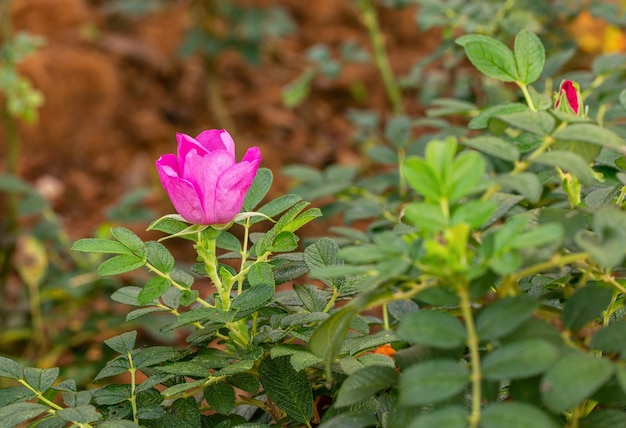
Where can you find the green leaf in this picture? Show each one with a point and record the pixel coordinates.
(296, 92)
(203, 315)
(245, 381)
(432, 328)
(10, 369)
(611, 338)
(221, 397)
(530, 56)
(148, 357)
(159, 257)
(604, 418)
(494, 146)
(284, 242)
(129, 239)
(422, 177)
(445, 417)
(542, 235)
(426, 216)
(328, 338)
(606, 243)
(120, 264)
(481, 121)
(15, 394)
(590, 133)
(228, 241)
(106, 246)
(519, 359)
(313, 298)
(169, 225)
(622, 98)
(526, 184)
(514, 415)
(127, 295)
(14, 414)
(569, 162)
(572, 379)
(82, 414)
(586, 304)
(467, 171)
(252, 299)
(260, 186)
(536, 122)
(322, 254)
(360, 419)
(288, 389)
(111, 394)
(432, 381)
(154, 288)
(41, 379)
(113, 368)
(489, 56)
(304, 218)
(188, 297)
(365, 383)
(504, 316)
(476, 213)
(239, 367)
(124, 343)
(280, 204)
(261, 273)
(187, 410)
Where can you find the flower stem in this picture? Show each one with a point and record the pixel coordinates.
(527, 96)
(244, 254)
(472, 344)
(133, 384)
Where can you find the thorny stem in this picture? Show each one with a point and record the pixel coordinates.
(556, 261)
(370, 20)
(610, 280)
(472, 344)
(133, 383)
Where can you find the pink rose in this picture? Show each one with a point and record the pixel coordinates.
(568, 98)
(204, 181)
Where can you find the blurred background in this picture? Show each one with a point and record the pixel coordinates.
(93, 92)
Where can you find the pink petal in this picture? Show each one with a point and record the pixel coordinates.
(203, 171)
(186, 144)
(253, 154)
(180, 191)
(216, 139)
(572, 96)
(232, 187)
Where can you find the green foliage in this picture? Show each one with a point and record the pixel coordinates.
(483, 285)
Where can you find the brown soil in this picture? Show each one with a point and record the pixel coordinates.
(116, 92)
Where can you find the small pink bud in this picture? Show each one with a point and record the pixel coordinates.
(568, 98)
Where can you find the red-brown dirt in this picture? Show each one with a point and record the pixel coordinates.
(116, 92)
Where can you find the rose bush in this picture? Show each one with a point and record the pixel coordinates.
(204, 181)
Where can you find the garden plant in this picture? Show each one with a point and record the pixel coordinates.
(477, 279)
